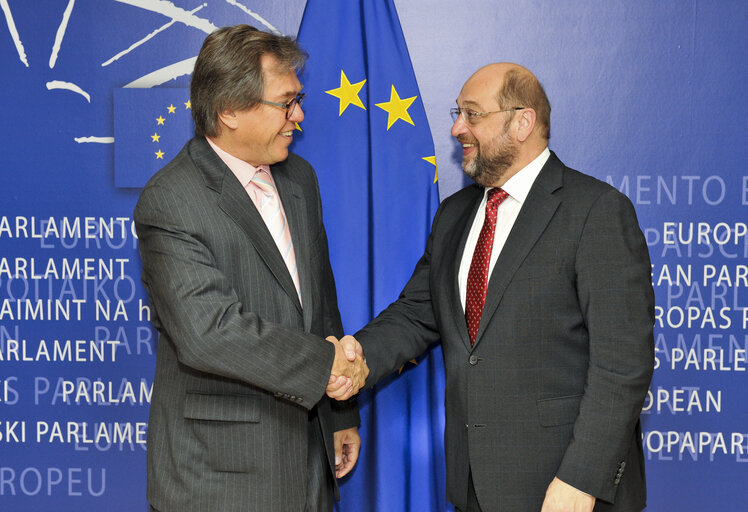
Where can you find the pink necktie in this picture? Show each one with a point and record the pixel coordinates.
(477, 281)
(272, 214)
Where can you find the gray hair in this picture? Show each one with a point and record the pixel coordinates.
(521, 89)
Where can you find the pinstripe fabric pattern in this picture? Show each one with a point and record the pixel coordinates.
(239, 363)
(563, 356)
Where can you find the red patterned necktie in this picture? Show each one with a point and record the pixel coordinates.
(477, 281)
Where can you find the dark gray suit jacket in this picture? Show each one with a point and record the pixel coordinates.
(240, 363)
(564, 353)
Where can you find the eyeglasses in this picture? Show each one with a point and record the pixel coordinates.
(288, 107)
(472, 117)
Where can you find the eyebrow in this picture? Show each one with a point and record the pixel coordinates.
(291, 94)
(284, 96)
(468, 103)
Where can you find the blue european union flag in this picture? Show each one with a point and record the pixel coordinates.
(367, 136)
(150, 127)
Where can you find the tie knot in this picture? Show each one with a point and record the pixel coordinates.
(496, 196)
(263, 181)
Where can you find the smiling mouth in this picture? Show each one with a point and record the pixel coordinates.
(468, 148)
(467, 144)
(287, 134)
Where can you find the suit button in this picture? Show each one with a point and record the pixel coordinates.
(299, 400)
(473, 360)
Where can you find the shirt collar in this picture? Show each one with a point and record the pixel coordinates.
(519, 185)
(243, 171)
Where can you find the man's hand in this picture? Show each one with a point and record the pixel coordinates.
(349, 371)
(347, 445)
(352, 348)
(354, 352)
(562, 497)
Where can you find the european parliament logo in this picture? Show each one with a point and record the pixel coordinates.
(150, 127)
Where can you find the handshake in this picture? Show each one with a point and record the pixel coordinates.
(349, 370)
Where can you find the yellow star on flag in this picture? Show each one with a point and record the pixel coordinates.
(155, 137)
(160, 120)
(188, 104)
(159, 155)
(432, 161)
(397, 108)
(297, 126)
(172, 109)
(347, 93)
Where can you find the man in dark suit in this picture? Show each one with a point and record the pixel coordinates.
(537, 281)
(236, 265)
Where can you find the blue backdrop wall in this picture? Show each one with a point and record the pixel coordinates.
(648, 96)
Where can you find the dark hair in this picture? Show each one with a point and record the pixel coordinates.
(228, 72)
(522, 89)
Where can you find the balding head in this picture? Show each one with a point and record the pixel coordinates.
(516, 86)
(502, 122)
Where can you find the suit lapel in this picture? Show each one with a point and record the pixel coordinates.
(453, 253)
(235, 202)
(535, 214)
(294, 205)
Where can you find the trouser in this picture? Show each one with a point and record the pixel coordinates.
(320, 494)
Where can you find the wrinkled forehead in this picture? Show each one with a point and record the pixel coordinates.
(273, 68)
(479, 92)
(280, 81)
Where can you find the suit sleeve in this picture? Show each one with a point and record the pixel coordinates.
(617, 302)
(407, 327)
(201, 312)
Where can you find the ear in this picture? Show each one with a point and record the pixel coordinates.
(525, 124)
(228, 118)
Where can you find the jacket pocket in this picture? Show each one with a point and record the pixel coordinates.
(557, 411)
(226, 430)
(241, 408)
(542, 272)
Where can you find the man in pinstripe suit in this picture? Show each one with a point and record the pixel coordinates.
(236, 265)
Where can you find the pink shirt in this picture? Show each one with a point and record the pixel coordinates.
(244, 172)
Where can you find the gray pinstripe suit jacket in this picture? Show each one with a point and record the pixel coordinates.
(564, 354)
(240, 363)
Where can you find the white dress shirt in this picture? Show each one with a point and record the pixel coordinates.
(518, 186)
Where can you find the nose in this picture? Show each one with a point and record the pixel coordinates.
(458, 127)
(298, 115)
